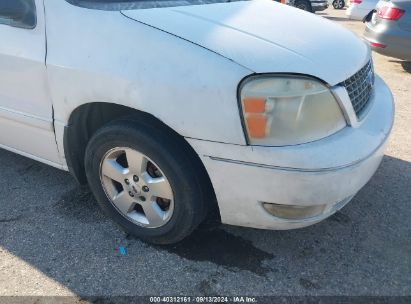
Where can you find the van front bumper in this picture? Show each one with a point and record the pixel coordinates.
(326, 173)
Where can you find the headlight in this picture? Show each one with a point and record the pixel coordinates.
(288, 110)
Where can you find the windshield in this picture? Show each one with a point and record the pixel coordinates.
(119, 5)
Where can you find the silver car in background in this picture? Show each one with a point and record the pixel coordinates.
(388, 29)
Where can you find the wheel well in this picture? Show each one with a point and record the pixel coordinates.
(84, 121)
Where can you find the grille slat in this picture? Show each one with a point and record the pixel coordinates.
(359, 87)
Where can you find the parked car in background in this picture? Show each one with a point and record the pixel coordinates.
(358, 9)
(337, 4)
(388, 29)
(170, 111)
(308, 5)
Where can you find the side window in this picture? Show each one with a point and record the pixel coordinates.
(18, 13)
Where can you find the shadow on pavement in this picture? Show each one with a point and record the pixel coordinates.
(406, 65)
(55, 227)
(339, 19)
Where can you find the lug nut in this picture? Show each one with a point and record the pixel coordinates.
(135, 178)
(142, 198)
(145, 189)
(131, 194)
(127, 182)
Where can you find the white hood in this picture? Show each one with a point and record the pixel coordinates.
(265, 37)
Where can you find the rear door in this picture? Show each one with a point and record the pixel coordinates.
(26, 114)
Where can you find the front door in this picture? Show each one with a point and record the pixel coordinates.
(26, 113)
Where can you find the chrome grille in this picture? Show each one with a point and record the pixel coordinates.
(359, 87)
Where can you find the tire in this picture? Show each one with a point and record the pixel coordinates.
(338, 4)
(304, 5)
(174, 162)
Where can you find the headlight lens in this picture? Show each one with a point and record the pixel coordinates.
(288, 110)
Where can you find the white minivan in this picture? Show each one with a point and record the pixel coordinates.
(170, 110)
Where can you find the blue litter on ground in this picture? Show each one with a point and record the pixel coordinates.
(122, 250)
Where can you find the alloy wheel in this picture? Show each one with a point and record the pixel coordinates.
(137, 187)
(338, 4)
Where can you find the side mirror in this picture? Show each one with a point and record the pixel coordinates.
(19, 13)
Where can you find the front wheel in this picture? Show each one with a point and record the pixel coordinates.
(338, 4)
(148, 180)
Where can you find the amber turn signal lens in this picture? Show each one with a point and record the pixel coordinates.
(257, 125)
(254, 104)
